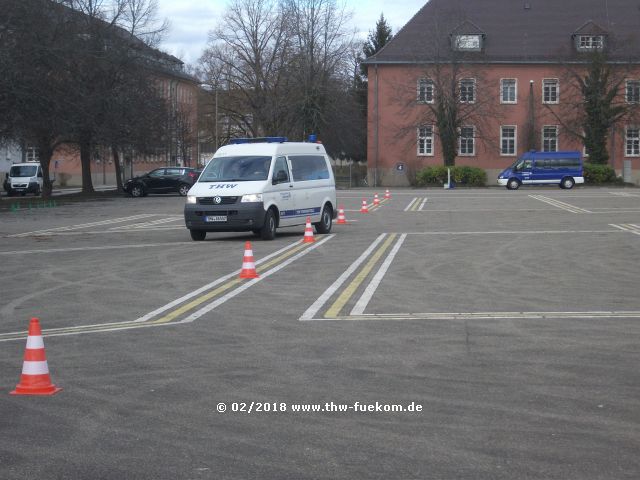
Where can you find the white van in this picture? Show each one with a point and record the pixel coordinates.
(24, 178)
(262, 184)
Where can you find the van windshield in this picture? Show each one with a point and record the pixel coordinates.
(236, 169)
(23, 171)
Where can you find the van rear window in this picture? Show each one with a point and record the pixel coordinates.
(308, 167)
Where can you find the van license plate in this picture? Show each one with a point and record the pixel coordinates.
(216, 218)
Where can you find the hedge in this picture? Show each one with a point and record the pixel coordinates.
(461, 175)
(596, 174)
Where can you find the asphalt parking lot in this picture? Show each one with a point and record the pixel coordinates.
(510, 318)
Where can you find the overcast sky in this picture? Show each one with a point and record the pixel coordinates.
(191, 20)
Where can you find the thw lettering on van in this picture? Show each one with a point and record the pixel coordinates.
(218, 186)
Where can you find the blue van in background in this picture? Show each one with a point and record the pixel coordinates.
(544, 168)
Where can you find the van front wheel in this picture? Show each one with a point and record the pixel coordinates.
(513, 184)
(326, 220)
(567, 183)
(198, 235)
(268, 230)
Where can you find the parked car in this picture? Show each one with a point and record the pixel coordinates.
(162, 180)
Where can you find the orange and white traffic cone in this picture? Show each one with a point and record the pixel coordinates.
(376, 200)
(341, 218)
(35, 379)
(308, 232)
(387, 194)
(248, 265)
(364, 208)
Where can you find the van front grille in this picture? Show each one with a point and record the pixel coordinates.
(223, 200)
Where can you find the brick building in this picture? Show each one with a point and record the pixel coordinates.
(181, 92)
(512, 65)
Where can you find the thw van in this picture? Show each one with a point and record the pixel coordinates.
(544, 168)
(260, 185)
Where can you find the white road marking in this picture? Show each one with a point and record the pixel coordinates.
(624, 194)
(152, 223)
(558, 204)
(627, 227)
(142, 321)
(513, 232)
(83, 225)
(242, 288)
(373, 285)
(482, 316)
(103, 247)
(209, 286)
(408, 207)
(422, 204)
(322, 299)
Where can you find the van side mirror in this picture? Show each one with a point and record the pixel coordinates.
(280, 177)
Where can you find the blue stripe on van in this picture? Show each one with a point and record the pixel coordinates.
(299, 213)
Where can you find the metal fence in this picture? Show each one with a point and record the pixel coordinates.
(351, 175)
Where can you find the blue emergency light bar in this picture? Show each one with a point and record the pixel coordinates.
(236, 141)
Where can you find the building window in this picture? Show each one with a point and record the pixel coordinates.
(550, 90)
(632, 142)
(590, 42)
(425, 90)
(466, 144)
(425, 140)
(32, 154)
(632, 89)
(467, 43)
(508, 140)
(550, 138)
(467, 90)
(508, 90)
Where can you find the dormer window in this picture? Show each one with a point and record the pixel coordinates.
(467, 43)
(587, 43)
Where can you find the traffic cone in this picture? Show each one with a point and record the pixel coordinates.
(364, 208)
(376, 200)
(387, 194)
(248, 265)
(341, 218)
(308, 232)
(35, 379)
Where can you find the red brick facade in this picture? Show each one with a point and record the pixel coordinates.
(499, 45)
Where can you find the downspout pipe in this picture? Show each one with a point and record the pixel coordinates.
(376, 133)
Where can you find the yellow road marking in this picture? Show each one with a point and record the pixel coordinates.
(348, 292)
(222, 288)
(193, 304)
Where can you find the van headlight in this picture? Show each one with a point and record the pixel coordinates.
(192, 199)
(253, 197)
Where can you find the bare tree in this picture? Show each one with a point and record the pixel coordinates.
(34, 81)
(323, 48)
(247, 53)
(77, 74)
(284, 69)
(593, 102)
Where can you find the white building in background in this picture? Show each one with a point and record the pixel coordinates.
(9, 154)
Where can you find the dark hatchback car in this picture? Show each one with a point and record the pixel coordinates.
(162, 180)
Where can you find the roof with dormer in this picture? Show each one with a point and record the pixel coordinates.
(516, 31)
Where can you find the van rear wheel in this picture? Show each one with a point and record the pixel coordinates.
(513, 184)
(567, 183)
